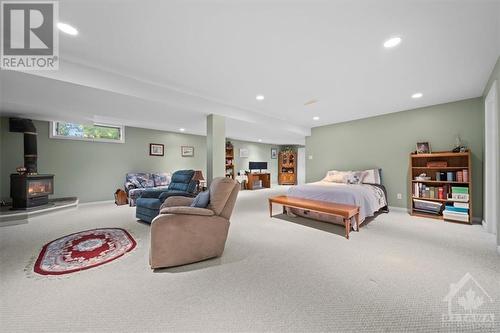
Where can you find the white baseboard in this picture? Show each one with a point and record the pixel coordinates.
(96, 202)
(485, 225)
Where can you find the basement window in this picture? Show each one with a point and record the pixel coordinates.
(92, 132)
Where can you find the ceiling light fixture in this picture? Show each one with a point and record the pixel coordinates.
(260, 140)
(417, 95)
(392, 42)
(312, 101)
(316, 118)
(259, 97)
(182, 129)
(68, 29)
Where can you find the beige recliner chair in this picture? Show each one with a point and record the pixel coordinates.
(182, 234)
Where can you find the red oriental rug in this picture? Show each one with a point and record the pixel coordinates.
(83, 250)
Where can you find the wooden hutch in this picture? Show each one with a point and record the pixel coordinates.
(448, 185)
(287, 168)
(229, 160)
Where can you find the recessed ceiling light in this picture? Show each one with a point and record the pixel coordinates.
(260, 140)
(182, 129)
(417, 95)
(66, 28)
(259, 97)
(316, 118)
(312, 101)
(391, 42)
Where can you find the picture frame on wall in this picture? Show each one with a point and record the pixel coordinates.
(244, 152)
(274, 153)
(423, 148)
(187, 151)
(156, 149)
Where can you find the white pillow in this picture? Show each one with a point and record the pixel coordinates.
(356, 177)
(372, 176)
(335, 176)
(353, 177)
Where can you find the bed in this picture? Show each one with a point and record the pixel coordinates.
(359, 188)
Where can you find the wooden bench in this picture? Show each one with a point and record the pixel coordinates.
(346, 212)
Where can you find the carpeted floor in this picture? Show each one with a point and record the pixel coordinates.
(281, 274)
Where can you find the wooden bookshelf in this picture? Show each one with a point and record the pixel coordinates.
(455, 163)
(229, 160)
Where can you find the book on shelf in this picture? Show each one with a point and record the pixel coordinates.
(450, 176)
(460, 193)
(465, 173)
(454, 216)
(459, 204)
(459, 190)
(420, 190)
(454, 209)
(457, 212)
(441, 193)
(460, 197)
(427, 206)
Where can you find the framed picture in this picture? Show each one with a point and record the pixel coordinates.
(423, 148)
(187, 151)
(244, 152)
(274, 153)
(156, 149)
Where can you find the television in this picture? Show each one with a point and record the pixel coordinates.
(257, 165)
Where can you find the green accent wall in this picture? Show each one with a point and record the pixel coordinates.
(92, 171)
(386, 142)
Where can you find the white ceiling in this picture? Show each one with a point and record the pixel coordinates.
(167, 64)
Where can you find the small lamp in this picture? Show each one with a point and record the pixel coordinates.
(198, 176)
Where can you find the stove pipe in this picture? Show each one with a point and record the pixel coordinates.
(26, 126)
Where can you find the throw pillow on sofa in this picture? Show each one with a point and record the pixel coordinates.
(162, 178)
(201, 200)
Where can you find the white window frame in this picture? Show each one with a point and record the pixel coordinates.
(54, 135)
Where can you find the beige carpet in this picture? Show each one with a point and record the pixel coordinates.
(281, 274)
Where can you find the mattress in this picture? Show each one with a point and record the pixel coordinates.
(369, 197)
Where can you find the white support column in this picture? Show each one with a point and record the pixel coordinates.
(216, 147)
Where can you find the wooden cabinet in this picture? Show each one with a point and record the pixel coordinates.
(229, 160)
(287, 168)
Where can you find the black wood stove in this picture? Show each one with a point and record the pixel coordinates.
(29, 189)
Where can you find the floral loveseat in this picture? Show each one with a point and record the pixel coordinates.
(136, 183)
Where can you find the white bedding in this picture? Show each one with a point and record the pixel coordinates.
(370, 198)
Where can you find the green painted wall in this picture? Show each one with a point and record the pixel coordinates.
(92, 171)
(258, 152)
(386, 141)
